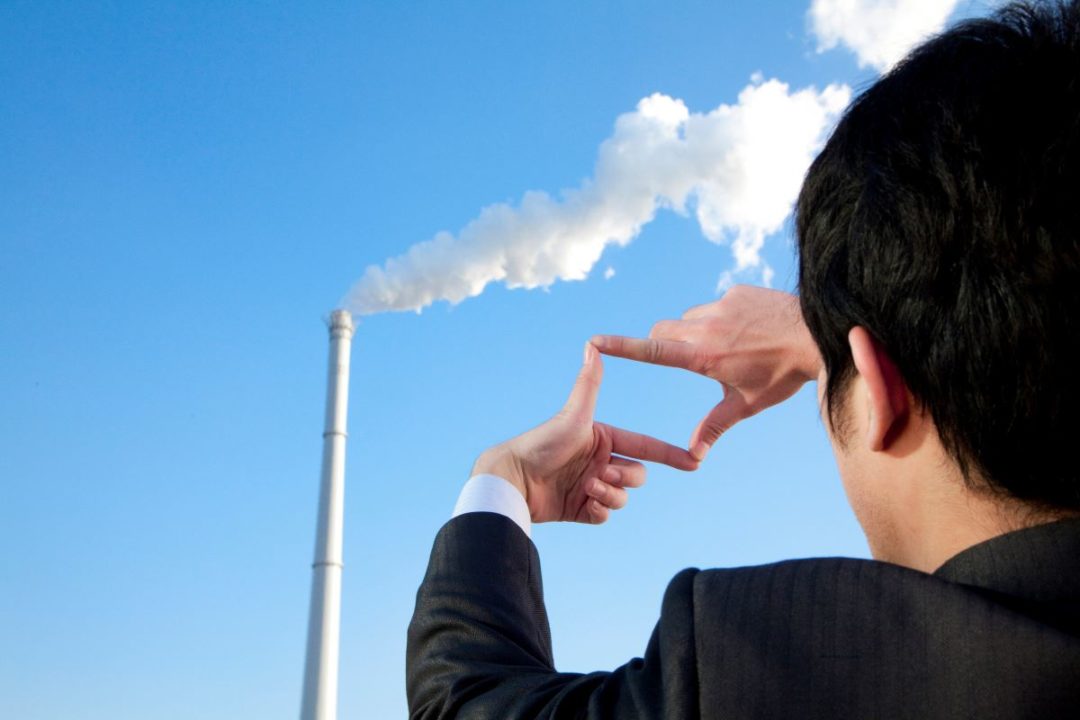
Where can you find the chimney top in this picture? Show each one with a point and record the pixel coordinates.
(341, 322)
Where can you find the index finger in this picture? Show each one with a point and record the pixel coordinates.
(645, 447)
(671, 353)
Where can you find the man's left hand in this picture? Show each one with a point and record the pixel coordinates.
(573, 468)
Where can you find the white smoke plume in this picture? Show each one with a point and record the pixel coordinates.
(738, 168)
(879, 32)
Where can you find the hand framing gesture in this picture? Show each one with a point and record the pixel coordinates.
(752, 341)
(574, 468)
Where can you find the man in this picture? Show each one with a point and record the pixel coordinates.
(939, 313)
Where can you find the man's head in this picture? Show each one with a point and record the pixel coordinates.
(943, 218)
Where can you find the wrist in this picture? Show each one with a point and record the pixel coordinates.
(808, 361)
(811, 365)
(809, 357)
(501, 462)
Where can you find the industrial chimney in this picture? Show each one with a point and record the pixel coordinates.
(324, 622)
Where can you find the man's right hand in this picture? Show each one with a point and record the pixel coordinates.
(752, 341)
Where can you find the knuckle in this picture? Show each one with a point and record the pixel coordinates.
(696, 310)
(713, 430)
(713, 325)
(654, 351)
(738, 291)
(719, 332)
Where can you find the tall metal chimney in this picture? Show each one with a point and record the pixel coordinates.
(324, 622)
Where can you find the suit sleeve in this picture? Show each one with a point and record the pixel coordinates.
(479, 645)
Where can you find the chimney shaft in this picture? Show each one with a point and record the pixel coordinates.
(321, 666)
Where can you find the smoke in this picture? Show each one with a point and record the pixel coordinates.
(738, 168)
(879, 32)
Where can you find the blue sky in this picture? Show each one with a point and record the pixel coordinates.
(189, 188)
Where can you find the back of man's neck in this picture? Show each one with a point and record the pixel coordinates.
(943, 524)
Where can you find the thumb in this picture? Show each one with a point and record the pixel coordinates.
(582, 401)
(720, 419)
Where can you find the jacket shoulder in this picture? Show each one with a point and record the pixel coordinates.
(862, 638)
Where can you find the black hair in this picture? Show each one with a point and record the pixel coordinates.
(943, 215)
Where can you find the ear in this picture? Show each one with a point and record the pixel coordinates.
(887, 395)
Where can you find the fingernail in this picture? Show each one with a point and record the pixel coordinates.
(699, 451)
(589, 350)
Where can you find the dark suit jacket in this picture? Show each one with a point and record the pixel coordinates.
(994, 633)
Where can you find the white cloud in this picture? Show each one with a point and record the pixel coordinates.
(879, 32)
(609, 273)
(738, 168)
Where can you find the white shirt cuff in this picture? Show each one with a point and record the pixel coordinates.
(490, 493)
